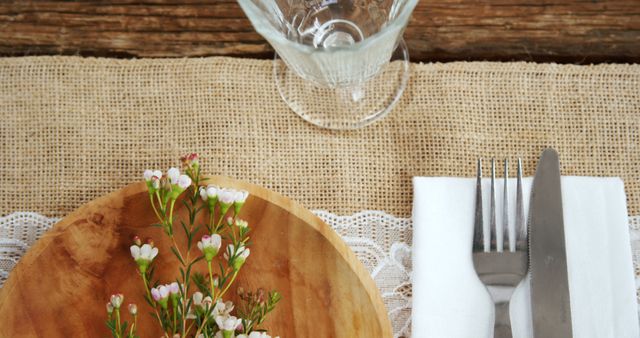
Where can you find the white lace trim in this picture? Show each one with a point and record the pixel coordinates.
(381, 241)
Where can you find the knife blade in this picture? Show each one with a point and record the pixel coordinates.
(550, 304)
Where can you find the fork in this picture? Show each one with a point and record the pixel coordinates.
(500, 268)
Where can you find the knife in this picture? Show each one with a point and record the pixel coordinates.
(550, 305)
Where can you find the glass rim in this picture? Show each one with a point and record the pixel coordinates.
(255, 13)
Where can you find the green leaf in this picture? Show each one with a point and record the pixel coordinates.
(175, 252)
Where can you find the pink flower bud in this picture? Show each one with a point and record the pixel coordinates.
(137, 240)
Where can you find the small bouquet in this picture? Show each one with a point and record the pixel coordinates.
(193, 304)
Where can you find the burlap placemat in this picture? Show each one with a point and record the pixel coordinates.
(75, 128)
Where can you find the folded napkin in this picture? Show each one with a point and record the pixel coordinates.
(449, 300)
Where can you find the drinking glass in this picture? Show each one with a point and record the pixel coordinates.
(339, 64)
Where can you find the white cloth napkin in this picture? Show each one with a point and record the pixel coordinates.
(449, 300)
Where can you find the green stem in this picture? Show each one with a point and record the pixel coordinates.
(135, 321)
(162, 207)
(146, 288)
(175, 311)
(211, 217)
(146, 285)
(175, 245)
(173, 202)
(155, 210)
(233, 278)
(219, 221)
(211, 279)
(117, 323)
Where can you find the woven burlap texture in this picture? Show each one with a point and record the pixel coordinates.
(76, 128)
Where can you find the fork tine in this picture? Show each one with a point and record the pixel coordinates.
(520, 228)
(478, 226)
(505, 211)
(492, 211)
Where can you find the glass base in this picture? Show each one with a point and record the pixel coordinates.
(345, 107)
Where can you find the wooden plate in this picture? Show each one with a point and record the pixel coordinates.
(61, 286)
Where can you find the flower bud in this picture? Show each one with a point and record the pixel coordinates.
(133, 309)
(109, 308)
(116, 300)
(240, 223)
(216, 280)
(150, 241)
(260, 295)
(240, 291)
(154, 184)
(137, 241)
(190, 162)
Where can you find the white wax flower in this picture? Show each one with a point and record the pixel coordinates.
(143, 255)
(226, 196)
(184, 181)
(240, 196)
(209, 245)
(199, 300)
(155, 294)
(222, 308)
(228, 323)
(161, 294)
(149, 174)
(144, 252)
(258, 334)
(116, 300)
(173, 174)
(240, 257)
(174, 288)
(164, 291)
(212, 191)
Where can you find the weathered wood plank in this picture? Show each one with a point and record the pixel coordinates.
(550, 30)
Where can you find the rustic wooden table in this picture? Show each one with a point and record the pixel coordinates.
(573, 31)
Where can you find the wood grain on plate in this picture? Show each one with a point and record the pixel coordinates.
(61, 286)
(440, 30)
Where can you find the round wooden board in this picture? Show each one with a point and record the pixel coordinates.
(61, 286)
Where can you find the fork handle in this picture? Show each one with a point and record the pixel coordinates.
(502, 324)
